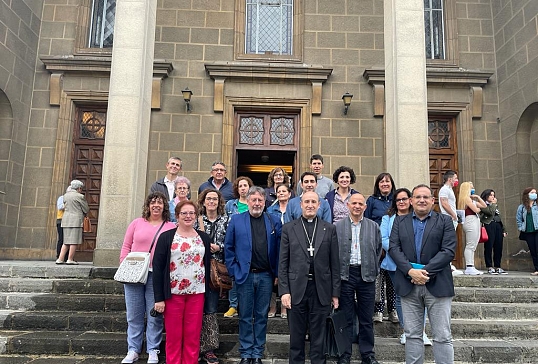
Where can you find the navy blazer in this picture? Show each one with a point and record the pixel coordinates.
(331, 195)
(438, 247)
(238, 245)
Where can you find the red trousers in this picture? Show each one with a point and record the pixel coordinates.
(183, 324)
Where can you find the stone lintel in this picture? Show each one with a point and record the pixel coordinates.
(275, 72)
(474, 79)
(77, 64)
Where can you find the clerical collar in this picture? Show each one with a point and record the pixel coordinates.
(310, 221)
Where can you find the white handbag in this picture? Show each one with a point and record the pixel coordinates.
(135, 267)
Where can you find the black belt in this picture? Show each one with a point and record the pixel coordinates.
(256, 270)
(355, 266)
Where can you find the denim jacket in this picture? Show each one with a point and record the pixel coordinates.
(386, 228)
(521, 217)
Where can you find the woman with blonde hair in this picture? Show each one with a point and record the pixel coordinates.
(471, 203)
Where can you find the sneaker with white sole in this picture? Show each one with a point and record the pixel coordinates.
(426, 340)
(378, 317)
(232, 312)
(153, 357)
(402, 339)
(455, 272)
(131, 357)
(501, 271)
(492, 270)
(472, 271)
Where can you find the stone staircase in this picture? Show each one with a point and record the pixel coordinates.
(76, 314)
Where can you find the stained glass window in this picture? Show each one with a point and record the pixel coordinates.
(102, 25)
(434, 29)
(269, 27)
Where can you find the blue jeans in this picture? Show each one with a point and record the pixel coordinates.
(439, 311)
(139, 301)
(211, 302)
(254, 296)
(232, 296)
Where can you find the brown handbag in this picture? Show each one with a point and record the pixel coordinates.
(220, 279)
(86, 225)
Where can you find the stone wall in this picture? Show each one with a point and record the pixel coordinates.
(20, 23)
(515, 27)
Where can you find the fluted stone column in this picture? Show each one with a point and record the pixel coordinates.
(405, 93)
(128, 119)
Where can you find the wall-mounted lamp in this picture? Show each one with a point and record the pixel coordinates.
(187, 94)
(347, 101)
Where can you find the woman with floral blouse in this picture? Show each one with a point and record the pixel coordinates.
(181, 265)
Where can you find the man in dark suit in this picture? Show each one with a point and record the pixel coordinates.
(359, 242)
(251, 251)
(422, 245)
(309, 278)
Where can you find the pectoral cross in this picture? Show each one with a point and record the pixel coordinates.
(311, 250)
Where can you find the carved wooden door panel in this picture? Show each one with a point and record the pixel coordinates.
(88, 150)
(443, 157)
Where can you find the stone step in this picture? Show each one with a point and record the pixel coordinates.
(65, 321)
(494, 311)
(511, 280)
(387, 349)
(496, 295)
(61, 302)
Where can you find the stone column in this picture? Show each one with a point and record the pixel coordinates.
(406, 111)
(126, 146)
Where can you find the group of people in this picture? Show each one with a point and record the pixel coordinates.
(324, 248)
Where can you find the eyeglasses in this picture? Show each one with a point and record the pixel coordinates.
(400, 200)
(278, 175)
(211, 198)
(182, 188)
(219, 170)
(189, 213)
(422, 197)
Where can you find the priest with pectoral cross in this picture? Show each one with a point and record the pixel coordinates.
(308, 278)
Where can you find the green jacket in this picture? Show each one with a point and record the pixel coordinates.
(488, 213)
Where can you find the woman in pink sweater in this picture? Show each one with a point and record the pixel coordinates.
(139, 299)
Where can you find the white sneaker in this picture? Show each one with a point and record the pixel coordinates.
(472, 271)
(153, 357)
(402, 339)
(131, 357)
(426, 340)
(455, 272)
(378, 317)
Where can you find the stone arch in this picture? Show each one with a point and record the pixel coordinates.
(7, 204)
(527, 147)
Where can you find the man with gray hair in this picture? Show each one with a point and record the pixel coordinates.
(218, 181)
(251, 250)
(166, 184)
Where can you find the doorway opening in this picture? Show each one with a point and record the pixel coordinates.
(257, 163)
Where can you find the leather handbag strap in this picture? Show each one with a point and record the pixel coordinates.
(155, 237)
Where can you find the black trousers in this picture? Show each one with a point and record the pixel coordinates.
(532, 242)
(308, 313)
(365, 293)
(494, 244)
(60, 231)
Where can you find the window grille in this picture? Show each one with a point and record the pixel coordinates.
(282, 131)
(434, 28)
(269, 27)
(92, 125)
(102, 25)
(251, 130)
(439, 134)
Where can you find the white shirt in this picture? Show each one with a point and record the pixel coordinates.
(448, 193)
(355, 243)
(170, 185)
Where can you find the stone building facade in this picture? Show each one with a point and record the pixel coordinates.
(71, 106)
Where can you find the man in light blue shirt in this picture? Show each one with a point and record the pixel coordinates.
(293, 210)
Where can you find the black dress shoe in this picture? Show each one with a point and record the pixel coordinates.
(256, 361)
(245, 361)
(343, 360)
(370, 360)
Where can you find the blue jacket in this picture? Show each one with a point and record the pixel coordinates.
(330, 199)
(377, 207)
(238, 245)
(521, 217)
(386, 228)
(226, 188)
(293, 210)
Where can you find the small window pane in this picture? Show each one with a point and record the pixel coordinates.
(269, 27)
(102, 26)
(251, 130)
(434, 29)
